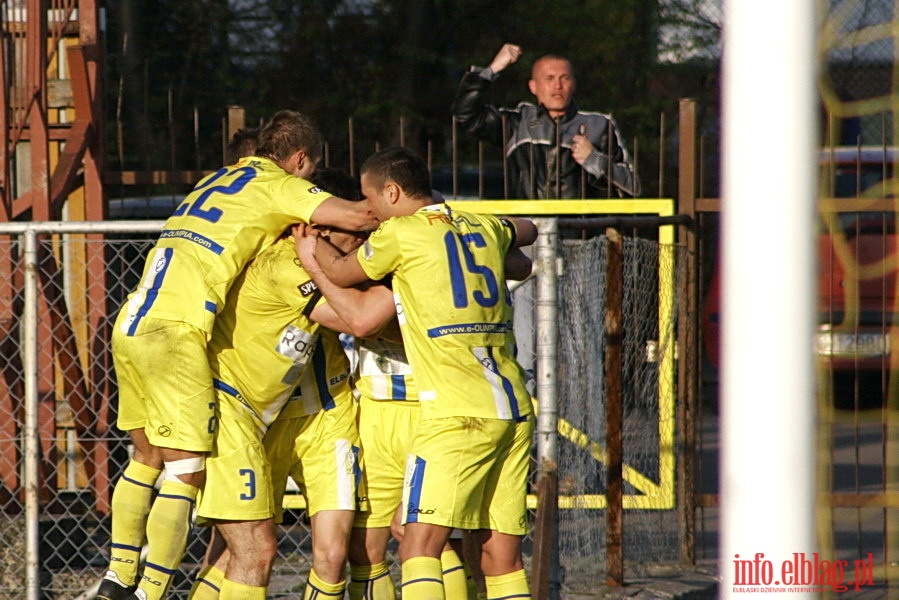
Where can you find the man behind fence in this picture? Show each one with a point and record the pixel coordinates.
(166, 398)
(455, 313)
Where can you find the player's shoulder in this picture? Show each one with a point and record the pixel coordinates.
(280, 257)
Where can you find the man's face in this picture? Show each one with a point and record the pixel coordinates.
(552, 82)
(375, 192)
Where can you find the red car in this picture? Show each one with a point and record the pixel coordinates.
(857, 263)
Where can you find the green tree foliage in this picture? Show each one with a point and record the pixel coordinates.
(381, 64)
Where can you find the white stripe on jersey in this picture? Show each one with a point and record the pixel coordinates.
(489, 370)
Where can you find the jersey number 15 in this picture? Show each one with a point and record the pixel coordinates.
(457, 270)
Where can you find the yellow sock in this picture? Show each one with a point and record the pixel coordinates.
(455, 582)
(316, 589)
(510, 585)
(422, 579)
(371, 582)
(232, 590)
(208, 584)
(167, 529)
(131, 501)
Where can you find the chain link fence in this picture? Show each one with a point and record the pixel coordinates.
(650, 271)
(60, 392)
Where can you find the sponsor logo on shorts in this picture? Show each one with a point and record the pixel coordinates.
(414, 510)
(337, 379)
(164, 430)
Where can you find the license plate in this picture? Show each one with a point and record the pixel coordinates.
(863, 345)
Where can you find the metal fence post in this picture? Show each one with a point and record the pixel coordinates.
(31, 442)
(546, 573)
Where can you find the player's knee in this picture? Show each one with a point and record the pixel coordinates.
(257, 555)
(191, 471)
(358, 555)
(329, 560)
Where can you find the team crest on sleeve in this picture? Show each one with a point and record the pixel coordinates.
(368, 251)
(315, 189)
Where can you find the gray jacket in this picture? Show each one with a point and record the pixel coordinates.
(538, 148)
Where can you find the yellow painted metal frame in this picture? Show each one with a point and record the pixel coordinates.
(654, 495)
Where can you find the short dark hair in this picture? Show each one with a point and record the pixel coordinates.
(553, 57)
(401, 166)
(287, 132)
(243, 143)
(338, 182)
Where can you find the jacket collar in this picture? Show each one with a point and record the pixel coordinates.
(570, 111)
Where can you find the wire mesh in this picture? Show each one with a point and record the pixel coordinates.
(650, 534)
(85, 278)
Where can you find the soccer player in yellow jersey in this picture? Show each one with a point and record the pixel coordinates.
(469, 460)
(388, 417)
(285, 406)
(166, 398)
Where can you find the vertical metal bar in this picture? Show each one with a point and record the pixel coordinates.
(610, 175)
(455, 170)
(885, 458)
(7, 190)
(688, 365)
(545, 571)
(505, 122)
(352, 148)
(662, 165)
(636, 147)
(171, 124)
(36, 59)
(480, 169)
(614, 411)
(31, 442)
(558, 159)
(197, 138)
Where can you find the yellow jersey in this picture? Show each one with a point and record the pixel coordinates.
(264, 341)
(229, 217)
(384, 372)
(454, 309)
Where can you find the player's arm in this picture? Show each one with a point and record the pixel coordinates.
(360, 313)
(345, 214)
(518, 265)
(342, 270)
(525, 231)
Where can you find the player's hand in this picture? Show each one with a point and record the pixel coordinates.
(581, 147)
(306, 241)
(507, 55)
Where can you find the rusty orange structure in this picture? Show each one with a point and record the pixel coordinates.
(51, 169)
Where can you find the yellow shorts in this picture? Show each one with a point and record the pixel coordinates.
(469, 473)
(165, 385)
(321, 452)
(238, 473)
(386, 428)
